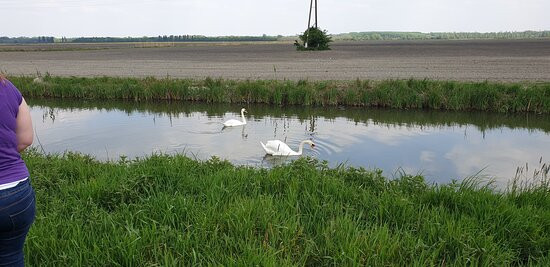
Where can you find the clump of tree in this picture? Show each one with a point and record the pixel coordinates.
(164, 38)
(175, 38)
(26, 40)
(313, 39)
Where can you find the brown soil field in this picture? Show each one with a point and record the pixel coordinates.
(493, 60)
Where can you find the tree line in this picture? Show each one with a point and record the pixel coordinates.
(27, 40)
(160, 38)
(352, 36)
(174, 38)
(359, 36)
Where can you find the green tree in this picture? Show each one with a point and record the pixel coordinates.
(313, 39)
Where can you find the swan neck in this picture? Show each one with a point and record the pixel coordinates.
(301, 148)
(244, 119)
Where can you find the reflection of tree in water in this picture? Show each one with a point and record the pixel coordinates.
(312, 124)
(49, 113)
(244, 135)
(423, 118)
(282, 122)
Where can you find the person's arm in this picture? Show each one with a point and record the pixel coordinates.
(23, 129)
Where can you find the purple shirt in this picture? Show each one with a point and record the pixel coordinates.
(12, 167)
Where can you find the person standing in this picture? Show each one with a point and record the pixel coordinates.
(17, 197)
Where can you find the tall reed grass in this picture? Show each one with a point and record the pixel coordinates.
(173, 211)
(399, 94)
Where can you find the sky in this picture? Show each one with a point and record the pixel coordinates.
(75, 18)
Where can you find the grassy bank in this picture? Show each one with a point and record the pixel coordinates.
(173, 210)
(400, 94)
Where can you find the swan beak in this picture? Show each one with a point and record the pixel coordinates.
(312, 145)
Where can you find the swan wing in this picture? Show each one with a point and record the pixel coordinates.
(233, 123)
(279, 148)
(276, 145)
(267, 149)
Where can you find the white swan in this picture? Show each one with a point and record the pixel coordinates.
(231, 123)
(279, 148)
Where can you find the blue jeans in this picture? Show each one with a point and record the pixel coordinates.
(17, 208)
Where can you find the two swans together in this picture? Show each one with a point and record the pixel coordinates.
(272, 147)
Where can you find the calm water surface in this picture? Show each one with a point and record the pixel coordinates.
(440, 145)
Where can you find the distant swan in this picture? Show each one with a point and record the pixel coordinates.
(231, 123)
(278, 148)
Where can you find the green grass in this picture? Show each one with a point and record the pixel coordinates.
(172, 210)
(398, 94)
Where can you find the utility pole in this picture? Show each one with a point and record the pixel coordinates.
(312, 6)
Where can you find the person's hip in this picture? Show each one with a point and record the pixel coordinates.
(17, 207)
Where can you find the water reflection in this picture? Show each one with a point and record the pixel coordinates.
(440, 145)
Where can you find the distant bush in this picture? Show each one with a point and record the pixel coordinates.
(313, 39)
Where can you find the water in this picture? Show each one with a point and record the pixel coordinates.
(440, 145)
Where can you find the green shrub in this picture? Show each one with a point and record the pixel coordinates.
(315, 39)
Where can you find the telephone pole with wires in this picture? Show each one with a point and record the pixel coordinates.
(312, 9)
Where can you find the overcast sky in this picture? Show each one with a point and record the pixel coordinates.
(73, 18)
